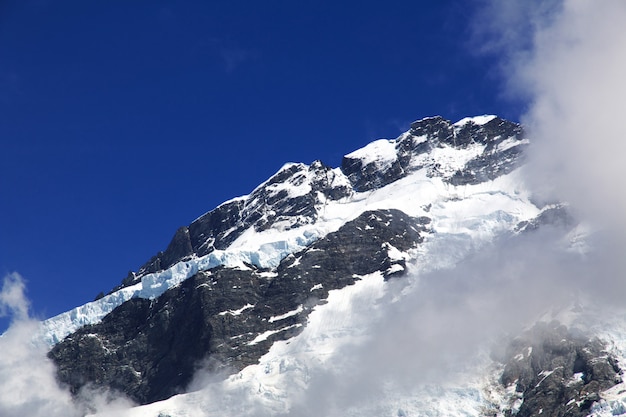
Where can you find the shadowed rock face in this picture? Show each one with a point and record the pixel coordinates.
(150, 349)
(557, 216)
(558, 373)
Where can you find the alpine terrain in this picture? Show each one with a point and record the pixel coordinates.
(395, 285)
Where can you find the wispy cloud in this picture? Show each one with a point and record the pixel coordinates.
(228, 54)
(13, 301)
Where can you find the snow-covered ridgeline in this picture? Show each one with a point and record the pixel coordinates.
(446, 160)
(465, 211)
(477, 120)
(382, 152)
(265, 254)
(470, 211)
(54, 329)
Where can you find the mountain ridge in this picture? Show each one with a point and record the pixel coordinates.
(238, 215)
(191, 239)
(252, 273)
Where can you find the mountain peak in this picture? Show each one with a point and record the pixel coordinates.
(261, 268)
(477, 120)
(460, 153)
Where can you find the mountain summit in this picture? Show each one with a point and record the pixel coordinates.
(272, 288)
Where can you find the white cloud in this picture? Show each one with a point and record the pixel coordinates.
(576, 76)
(439, 332)
(13, 302)
(566, 59)
(28, 385)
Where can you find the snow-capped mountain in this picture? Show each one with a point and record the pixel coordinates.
(271, 295)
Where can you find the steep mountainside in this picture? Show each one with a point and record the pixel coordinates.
(266, 288)
(148, 349)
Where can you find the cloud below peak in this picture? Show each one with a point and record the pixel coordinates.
(28, 385)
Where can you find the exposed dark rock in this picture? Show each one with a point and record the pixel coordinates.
(365, 177)
(558, 373)
(226, 319)
(150, 349)
(359, 248)
(436, 132)
(179, 248)
(557, 216)
(493, 162)
(267, 205)
(216, 229)
(272, 203)
(488, 166)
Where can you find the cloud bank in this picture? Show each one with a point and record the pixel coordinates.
(566, 59)
(28, 386)
(440, 332)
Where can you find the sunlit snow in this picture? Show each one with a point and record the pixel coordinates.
(381, 152)
(477, 120)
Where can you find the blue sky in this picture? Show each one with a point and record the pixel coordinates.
(121, 121)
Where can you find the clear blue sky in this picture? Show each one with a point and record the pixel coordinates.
(122, 120)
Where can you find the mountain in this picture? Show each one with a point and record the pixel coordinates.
(268, 291)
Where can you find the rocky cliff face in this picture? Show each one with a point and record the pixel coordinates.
(150, 349)
(556, 372)
(269, 205)
(492, 149)
(226, 318)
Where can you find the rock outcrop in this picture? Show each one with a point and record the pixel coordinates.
(557, 372)
(226, 319)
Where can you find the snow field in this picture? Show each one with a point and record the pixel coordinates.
(381, 152)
